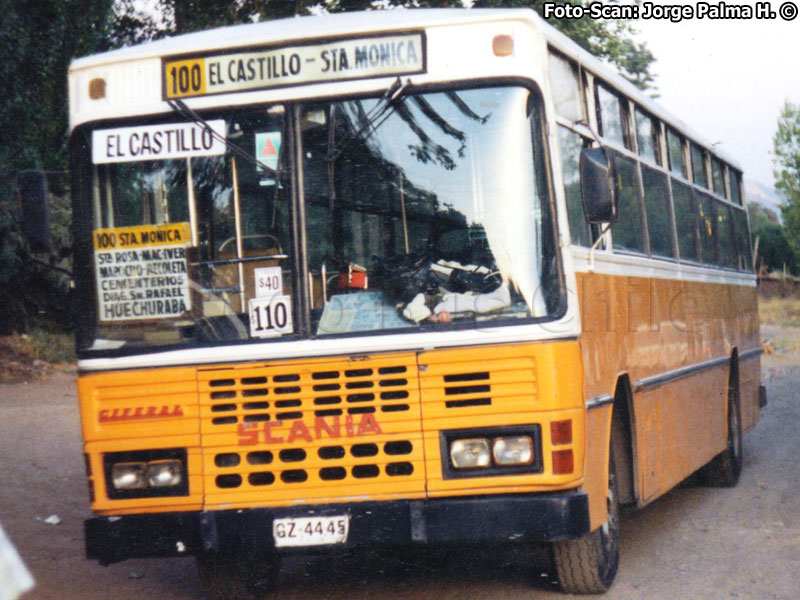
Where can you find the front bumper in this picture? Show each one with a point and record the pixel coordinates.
(483, 519)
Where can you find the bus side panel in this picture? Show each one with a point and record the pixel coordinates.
(749, 364)
(749, 392)
(595, 481)
(648, 327)
(679, 429)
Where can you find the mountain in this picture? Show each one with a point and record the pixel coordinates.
(765, 195)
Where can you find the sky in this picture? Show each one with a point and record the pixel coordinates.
(728, 80)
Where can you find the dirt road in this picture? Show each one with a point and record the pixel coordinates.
(699, 543)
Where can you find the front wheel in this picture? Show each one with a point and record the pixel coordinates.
(588, 564)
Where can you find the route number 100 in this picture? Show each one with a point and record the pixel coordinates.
(184, 78)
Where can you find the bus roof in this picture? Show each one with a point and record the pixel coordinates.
(306, 27)
(342, 24)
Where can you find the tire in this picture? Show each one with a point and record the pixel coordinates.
(725, 468)
(589, 564)
(231, 577)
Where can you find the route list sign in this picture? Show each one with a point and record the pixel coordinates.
(141, 272)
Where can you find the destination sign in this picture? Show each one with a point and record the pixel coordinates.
(157, 142)
(261, 68)
(141, 272)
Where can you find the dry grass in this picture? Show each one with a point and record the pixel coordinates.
(25, 357)
(780, 312)
(780, 326)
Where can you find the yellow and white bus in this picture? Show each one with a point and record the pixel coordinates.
(399, 277)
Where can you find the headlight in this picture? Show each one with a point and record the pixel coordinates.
(160, 472)
(164, 473)
(129, 476)
(517, 450)
(470, 453)
(491, 451)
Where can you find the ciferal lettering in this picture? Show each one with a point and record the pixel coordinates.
(140, 413)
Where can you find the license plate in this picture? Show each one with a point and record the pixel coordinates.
(310, 531)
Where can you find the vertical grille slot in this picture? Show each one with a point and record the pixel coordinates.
(263, 457)
(221, 382)
(255, 392)
(331, 452)
(292, 455)
(258, 479)
(294, 476)
(227, 460)
(257, 418)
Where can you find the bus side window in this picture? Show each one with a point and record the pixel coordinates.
(627, 232)
(727, 249)
(571, 145)
(647, 137)
(609, 112)
(657, 210)
(685, 221)
(716, 177)
(733, 182)
(742, 237)
(566, 88)
(699, 166)
(677, 164)
(707, 214)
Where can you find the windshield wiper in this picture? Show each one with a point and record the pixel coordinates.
(374, 118)
(187, 113)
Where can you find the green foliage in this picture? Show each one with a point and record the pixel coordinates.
(774, 250)
(787, 173)
(38, 38)
(608, 39)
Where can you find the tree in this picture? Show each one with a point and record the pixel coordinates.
(609, 39)
(787, 172)
(774, 250)
(38, 38)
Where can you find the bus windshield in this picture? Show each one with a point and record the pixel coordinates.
(427, 211)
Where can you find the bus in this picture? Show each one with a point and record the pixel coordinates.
(396, 278)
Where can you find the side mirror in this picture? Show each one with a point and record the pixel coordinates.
(35, 208)
(599, 185)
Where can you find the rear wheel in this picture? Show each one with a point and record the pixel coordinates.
(725, 468)
(588, 564)
(237, 577)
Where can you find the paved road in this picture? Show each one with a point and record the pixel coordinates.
(693, 543)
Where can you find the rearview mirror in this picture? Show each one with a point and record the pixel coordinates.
(599, 185)
(35, 209)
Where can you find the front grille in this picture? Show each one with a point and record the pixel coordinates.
(451, 386)
(331, 429)
(387, 459)
(467, 390)
(329, 393)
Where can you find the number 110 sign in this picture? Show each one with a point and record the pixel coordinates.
(270, 316)
(270, 311)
